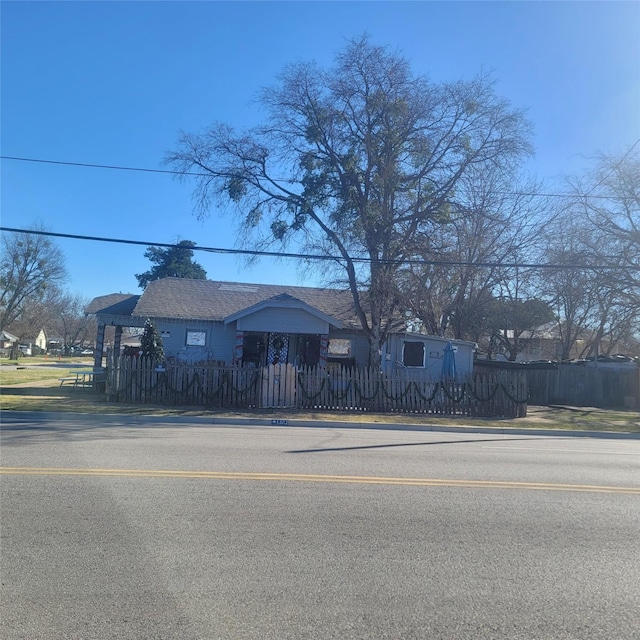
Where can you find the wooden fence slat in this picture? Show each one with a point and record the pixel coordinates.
(487, 393)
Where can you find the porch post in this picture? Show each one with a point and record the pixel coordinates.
(116, 341)
(239, 348)
(324, 349)
(97, 354)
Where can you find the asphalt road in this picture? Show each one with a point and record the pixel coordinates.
(184, 532)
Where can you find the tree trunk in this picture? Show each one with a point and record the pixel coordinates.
(375, 346)
(374, 334)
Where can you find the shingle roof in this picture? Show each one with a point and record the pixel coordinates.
(183, 298)
(121, 304)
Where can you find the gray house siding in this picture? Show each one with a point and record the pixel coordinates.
(257, 324)
(361, 350)
(393, 357)
(219, 341)
(283, 321)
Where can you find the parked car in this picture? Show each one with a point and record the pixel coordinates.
(82, 351)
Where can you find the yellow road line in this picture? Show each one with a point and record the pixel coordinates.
(299, 477)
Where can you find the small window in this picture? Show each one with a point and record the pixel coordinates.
(196, 338)
(413, 354)
(339, 348)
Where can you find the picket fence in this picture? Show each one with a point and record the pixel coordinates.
(283, 386)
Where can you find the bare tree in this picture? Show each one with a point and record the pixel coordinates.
(598, 306)
(517, 323)
(37, 314)
(71, 324)
(609, 196)
(31, 264)
(517, 314)
(355, 162)
(588, 291)
(494, 223)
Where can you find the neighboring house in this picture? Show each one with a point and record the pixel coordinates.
(29, 345)
(40, 341)
(545, 343)
(6, 341)
(34, 345)
(256, 325)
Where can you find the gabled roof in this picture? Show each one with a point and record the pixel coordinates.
(283, 301)
(8, 337)
(184, 298)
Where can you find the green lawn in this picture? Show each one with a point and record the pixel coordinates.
(10, 377)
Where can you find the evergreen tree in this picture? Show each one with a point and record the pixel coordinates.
(151, 342)
(175, 261)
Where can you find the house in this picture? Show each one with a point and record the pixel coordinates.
(254, 325)
(35, 344)
(6, 341)
(40, 341)
(29, 345)
(545, 344)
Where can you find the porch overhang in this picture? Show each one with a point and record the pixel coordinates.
(283, 313)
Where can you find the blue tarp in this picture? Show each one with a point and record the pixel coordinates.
(449, 363)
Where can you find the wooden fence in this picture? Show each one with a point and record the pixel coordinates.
(583, 386)
(133, 380)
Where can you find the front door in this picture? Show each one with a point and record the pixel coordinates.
(278, 348)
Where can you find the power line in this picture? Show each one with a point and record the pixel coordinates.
(305, 256)
(101, 166)
(205, 175)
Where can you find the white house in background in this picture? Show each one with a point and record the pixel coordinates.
(27, 343)
(255, 325)
(41, 340)
(33, 345)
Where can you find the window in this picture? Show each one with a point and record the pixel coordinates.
(339, 348)
(308, 350)
(413, 354)
(196, 338)
(253, 348)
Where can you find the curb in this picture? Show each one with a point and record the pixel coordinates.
(141, 420)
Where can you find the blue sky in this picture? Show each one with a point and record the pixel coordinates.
(113, 83)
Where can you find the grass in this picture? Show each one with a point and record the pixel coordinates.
(24, 376)
(51, 361)
(37, 388)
